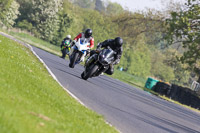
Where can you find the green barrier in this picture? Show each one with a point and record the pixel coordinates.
(150, 83)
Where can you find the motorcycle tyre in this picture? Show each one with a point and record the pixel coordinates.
(89, 73)
(73, 60)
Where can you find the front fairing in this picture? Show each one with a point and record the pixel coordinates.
(82, 45)
(106, 56)
(67, 43)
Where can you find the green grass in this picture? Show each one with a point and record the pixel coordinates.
(32, 102)
(128, 78)
(25, 37)
(122, 76)
(136, 81)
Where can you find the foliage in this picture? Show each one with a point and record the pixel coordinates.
(85, 3)
(133, 24)
(45, 17)
(184, 27)
(137, 59)
(64, 24)
(4, 6)
(99, 6)
(144, 33)
(159, 68)
(25, 9)
(114, 8)
(8, 12)
(181, 74)
(102, 26)
(140, 58)
(25, 25)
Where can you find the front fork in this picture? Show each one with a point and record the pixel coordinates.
(71, 51)
(82, 57)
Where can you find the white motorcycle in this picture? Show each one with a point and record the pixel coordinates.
(78, 52)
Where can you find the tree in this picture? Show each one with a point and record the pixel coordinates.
(159, 69)
(25, 9)
(139, 58)
(8, 12)
(184, 27)
(99, 6)
(132, 25)
(114, 8)
(65, 23)
(85, 3)
(181, 75)
(45, 17)
(24, 25)
(4, 6)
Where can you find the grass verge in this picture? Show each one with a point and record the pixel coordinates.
(128, 78)
(31, 101)
(120, 75)
(25, 37)
(123, 76)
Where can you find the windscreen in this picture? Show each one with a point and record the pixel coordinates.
(106, 56)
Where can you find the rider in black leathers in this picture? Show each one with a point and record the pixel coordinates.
(115, 45)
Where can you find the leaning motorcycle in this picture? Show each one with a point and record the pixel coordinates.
(78, 52)
(98, 63)
(65, 48)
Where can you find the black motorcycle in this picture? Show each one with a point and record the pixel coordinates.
(98, 63)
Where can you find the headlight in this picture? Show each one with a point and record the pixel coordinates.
(102, 60)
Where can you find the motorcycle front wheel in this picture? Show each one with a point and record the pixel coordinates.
(90, 72)
(73, 60)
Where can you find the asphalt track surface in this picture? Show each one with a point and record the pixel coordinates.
(127, 108)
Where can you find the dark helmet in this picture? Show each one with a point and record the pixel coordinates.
(118, 41)
(88, 33)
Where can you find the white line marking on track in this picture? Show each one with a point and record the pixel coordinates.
(51, 73)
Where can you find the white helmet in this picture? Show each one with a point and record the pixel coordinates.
(68, 36)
